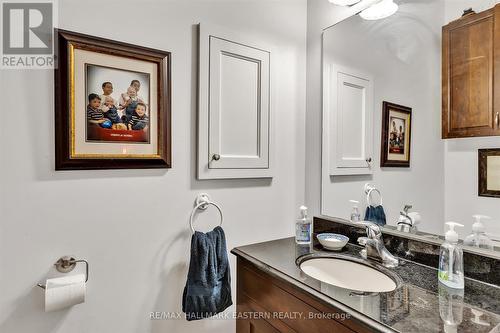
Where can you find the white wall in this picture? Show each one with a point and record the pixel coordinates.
(138, 257)
(400, 47)
(461, 199)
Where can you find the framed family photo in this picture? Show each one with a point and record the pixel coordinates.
(396, 135)
(489, 172)
(112, 104)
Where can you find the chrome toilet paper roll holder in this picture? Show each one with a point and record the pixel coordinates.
(66, 264)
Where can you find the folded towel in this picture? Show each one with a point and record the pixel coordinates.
(375, 214)
(208, 287)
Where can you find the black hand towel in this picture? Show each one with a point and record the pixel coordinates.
(208, 287)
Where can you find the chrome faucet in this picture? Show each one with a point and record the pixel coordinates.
(374, 245)
(405, 221)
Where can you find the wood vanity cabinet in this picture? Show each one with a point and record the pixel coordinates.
(471, 75)
(266, 304)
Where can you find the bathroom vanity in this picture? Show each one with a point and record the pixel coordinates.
(275, 295)
(267, 302)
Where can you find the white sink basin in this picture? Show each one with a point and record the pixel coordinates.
(348, 274)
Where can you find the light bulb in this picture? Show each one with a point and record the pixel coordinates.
(380, 10)
(344, 2)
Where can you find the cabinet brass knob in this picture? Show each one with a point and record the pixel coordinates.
(216, 157)
(368, 160)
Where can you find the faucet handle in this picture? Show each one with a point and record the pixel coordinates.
(362, 240)
(407, 208)
(372, 229)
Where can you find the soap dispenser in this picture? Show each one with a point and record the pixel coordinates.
(478, 236)
(303, 227)
(451, 307)
(355, 215)
(451, 265)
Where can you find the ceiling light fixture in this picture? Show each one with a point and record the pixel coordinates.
(344, 2)
(380, 10)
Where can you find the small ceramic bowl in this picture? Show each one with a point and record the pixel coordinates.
(334, 242)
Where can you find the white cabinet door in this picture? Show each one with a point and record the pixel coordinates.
(234, 110)
(348, 117)
(239, 105)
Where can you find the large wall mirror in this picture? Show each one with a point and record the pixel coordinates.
(382, 125)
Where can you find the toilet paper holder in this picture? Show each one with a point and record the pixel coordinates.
(66, 264)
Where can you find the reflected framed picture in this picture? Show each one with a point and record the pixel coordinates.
(396, 135)
(112, 104)
(489, 172)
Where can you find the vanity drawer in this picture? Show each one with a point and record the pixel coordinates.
(283, 306)
(247, 323)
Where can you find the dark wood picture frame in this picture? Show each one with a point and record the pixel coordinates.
(483, 155)
(384, 159)
(65, 42)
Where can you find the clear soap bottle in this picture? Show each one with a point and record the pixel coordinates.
(303, 228)
(355, 215)
(451, 307)
(478, 237)
(451, 264)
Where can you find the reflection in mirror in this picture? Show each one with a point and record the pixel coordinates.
(382, 126)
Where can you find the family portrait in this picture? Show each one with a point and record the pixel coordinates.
(117, 105)
(112, 104)
(397, 136)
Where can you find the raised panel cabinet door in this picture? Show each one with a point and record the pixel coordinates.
(350, 111)
(238, 106)
(469, 76)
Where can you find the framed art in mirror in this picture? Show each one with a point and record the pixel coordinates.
(112, 104)
(396, 135)
(489, 172)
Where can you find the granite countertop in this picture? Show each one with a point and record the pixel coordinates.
(413, 307)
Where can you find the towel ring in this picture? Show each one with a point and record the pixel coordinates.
(202, 202)
(368, 190)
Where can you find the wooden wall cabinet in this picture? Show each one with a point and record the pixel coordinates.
(266, 304)
(471, 74)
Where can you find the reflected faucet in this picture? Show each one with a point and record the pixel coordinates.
(405, 222)
(374, 245)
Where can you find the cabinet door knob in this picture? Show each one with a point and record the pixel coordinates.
(216, 157)
(368, 160)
